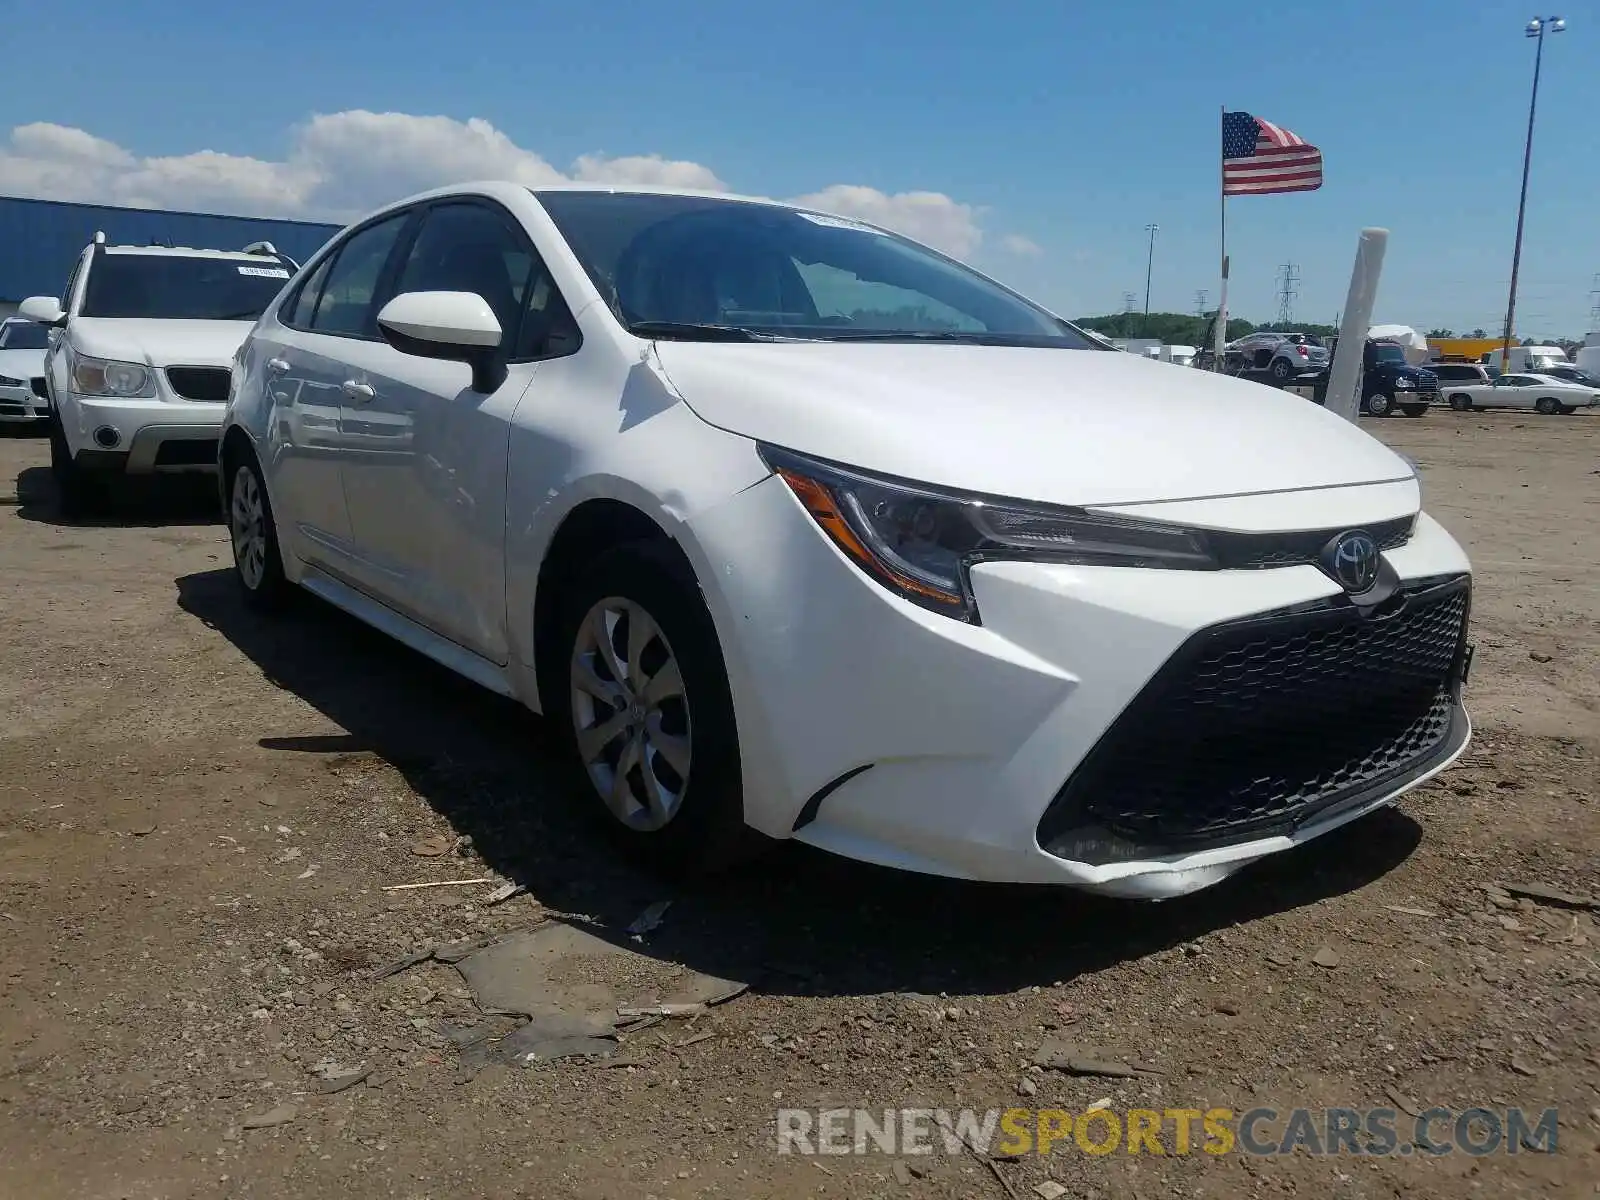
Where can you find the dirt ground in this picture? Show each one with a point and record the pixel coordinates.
(199, 809)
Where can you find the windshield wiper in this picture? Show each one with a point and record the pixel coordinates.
(689, 331)
(955, 336)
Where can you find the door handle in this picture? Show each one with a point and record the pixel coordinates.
(276, 366)
(361, 393)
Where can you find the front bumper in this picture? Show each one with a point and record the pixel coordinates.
(19, 405)
(1416, 395)
(143, 436)
(886, 733)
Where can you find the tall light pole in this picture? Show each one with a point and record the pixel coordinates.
(1149, 264)
(1536, 29)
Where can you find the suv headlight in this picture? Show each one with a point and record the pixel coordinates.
(111, 377)
(919, 542)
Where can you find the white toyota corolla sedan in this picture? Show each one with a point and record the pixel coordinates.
(798, 528)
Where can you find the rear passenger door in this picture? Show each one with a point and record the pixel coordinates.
(322, 328)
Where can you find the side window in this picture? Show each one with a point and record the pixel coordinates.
(72, 282)
(344, 305)
(475, 248)
(298, 311)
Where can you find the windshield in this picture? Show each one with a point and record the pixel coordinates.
(24, 335)
(701, 267)
(181, 287)
(1388, 354)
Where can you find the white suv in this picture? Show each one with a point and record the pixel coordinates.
(138, 373)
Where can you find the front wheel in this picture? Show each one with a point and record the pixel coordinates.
(641, 694)
(1377, 405)
(1461, 402)
(257, 562)
(79, 492)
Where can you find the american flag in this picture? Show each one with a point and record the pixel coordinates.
(1259, 158)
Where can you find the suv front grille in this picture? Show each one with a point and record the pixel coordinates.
(200, 383)
(1255, 726)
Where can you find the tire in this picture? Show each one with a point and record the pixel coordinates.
(1377, 404)
(1547, 406)
(1461, 402)
(1414, 410)
(257, 561)
(697, 825)
(80, 492)
(1280, 370)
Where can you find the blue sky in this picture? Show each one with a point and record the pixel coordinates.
(1070, 126)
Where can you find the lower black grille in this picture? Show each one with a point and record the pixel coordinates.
(37, 384)
(187, 453)
(200, 383)
(12, 408)
(1255, 726)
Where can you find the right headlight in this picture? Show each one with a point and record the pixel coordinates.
(111, 377)
(919, 541)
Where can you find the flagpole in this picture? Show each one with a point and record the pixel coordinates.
(1220, 331)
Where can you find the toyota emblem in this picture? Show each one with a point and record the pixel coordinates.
(1352, 560)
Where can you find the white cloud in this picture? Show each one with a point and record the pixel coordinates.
(930, 217)
(1015, 243)
(341, 164)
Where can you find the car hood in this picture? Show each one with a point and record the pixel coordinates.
(160, 343)
(1075, 427)
(21, 364)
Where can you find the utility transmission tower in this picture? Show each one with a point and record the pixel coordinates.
(1288, 291)
(1594, 305)
(1130, 301)
(1202, 302)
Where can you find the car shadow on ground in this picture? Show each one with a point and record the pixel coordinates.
(801, 921)
(161, 500)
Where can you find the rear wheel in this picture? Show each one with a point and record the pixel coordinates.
(80, 492)
(640, 693)
(1377, 404)
(1548, 405)
(1461, 402)
(257, 562)
(1281, 370)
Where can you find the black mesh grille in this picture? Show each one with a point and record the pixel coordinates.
(1256, 551)
(187, 453)
(199, 383)
(1256, 725)
(37, 384)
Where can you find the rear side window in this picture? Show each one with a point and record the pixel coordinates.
(344, 304)
(299, 311)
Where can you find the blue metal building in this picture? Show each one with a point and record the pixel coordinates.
(41, 239)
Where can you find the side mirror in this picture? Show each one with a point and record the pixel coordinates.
(42, 310)
(454, 326)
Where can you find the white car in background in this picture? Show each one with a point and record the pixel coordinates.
(22, 392)
(791, 525)
(139, 372)
(1542, 393)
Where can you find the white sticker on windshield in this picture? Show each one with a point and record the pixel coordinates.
(266, 272)
(838, 223)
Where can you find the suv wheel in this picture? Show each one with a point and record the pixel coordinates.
(640, 694)
(1281, 370)
(257, 563)
(80, 492)
(1377, 404)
